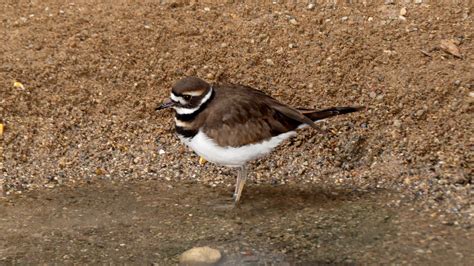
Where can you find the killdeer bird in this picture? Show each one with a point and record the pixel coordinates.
(230, 124)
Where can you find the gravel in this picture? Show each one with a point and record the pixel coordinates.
(93, 74)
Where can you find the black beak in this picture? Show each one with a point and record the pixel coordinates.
(166, 104)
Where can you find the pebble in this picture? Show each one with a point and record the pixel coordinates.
(403, 11)
(418, 1)
(420, 112)
(269, 62)
(471, 94)
(293, 21)
(291, 45)
(200, 256)
(397, 123)
(207, 9)
(161, 152)
(311, 6)
(344, 18)
(373, 94)
(389, 2)
(224, 45)
(210, 76)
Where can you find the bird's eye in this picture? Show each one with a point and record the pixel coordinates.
(187, 97)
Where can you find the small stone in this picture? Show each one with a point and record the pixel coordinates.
(403, 11)
(200, 256)
(373, 94)
(147, 27)
(207, 9)
(223, 45)
(471, 94)
(370, 19)
(269, 62)
(292, 45)
(210, 76)
(397, 123)
(460, 179)
(389, 2)
(418, 1)
(450, 46)
(99, 171)
(161, 152)
(2, 189)
(311, 6)
(344, 18)
(293, 21)
(457, 82)
(420, 112)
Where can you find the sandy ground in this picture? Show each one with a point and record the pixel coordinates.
(87, 165)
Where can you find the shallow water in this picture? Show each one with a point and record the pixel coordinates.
(154, 222)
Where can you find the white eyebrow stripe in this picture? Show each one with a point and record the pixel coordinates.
(193, 93)
(187, 111)
(177, 98)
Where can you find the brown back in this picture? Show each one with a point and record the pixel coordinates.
(240, 115)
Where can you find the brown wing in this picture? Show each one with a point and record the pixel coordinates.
(241, 115)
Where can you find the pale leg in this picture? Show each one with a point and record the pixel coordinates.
(239, 186)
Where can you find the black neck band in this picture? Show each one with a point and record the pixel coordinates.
(186, 133)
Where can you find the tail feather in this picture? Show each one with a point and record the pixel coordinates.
(316, 115)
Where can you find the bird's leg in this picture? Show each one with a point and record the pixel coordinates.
(237, 183)
(239, 186)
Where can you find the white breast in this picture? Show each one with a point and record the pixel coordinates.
(233, 156)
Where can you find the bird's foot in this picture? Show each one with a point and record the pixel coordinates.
(202, 161)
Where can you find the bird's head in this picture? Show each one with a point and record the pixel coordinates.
(187, 94)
